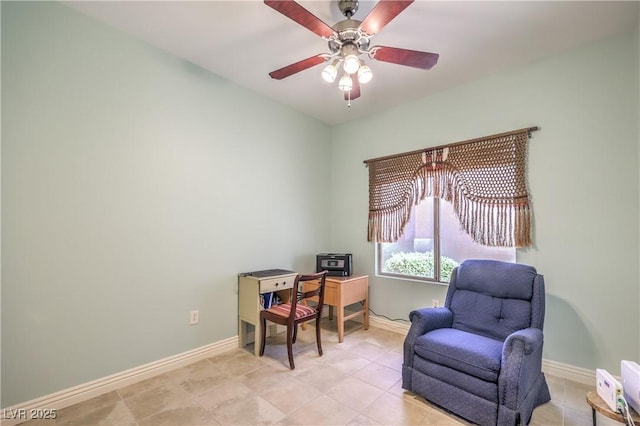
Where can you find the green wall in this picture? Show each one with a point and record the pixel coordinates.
(583, 178)
(638, 124)
(135, 187)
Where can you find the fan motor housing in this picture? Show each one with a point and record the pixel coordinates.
(347, 31)
(348, 7)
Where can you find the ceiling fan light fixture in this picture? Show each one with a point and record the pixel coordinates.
(364, 73)
(348, 40)
(351, 64)
(330, 72)
(345, 84)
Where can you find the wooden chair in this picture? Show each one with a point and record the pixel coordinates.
(293, 313)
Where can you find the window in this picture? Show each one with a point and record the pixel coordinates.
(432, 244)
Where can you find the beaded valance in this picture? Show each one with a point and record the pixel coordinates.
(483, 178)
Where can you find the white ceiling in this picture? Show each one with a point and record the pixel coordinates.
(244, 40)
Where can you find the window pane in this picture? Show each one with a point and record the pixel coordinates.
(413, 253)
(456, 245)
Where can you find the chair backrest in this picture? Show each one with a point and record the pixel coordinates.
(494, 298)
(315, 292)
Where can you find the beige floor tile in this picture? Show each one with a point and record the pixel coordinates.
(264, 378)
(368, 350)
(290, 394)
(391, 359)
(144, 385)
(275, 352)
(390, 410)
(556, 388)
(398, 391)
(86, 408)
(356, 393)
(186, 414)
(363, 420)
(378, 375)
(243, 362)
(202, 380)
(577, 417)
(323, 377)
(224, 393)
(321, 411)
(575, 396)
(549, 414)
(253, 410)
(345, 361)
(32, 422)
(436, 416)
(385, 339)
(573, 417)
(304, 361)
(111, 415)
(356, 382)
(153, 401)
(180, 373)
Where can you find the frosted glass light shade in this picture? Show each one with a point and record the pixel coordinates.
(345, 84)
(351, 64)
(364, 74)
(329, 73)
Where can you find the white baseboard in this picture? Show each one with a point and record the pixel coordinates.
(554, 368)
(569, 372)
(387, 324)
(86, 391)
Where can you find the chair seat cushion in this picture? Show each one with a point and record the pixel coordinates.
(473, 354)
(284, 309)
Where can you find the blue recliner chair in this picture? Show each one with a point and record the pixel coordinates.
(480, 356)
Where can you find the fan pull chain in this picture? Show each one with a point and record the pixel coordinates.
(349, 99)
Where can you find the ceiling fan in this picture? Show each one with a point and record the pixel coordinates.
(347, 40)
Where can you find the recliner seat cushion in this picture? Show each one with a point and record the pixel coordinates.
(473, 354)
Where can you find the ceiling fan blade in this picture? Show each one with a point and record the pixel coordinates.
(297, 67)
(302, 16)
(383, 13)
(355, 89)
(410, 58)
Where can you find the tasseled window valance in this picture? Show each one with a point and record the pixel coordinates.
(483, 178)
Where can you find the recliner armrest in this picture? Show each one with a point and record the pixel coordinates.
(528, 338)
(423, 321)
(521, 365)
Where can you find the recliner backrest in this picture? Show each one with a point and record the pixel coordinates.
(494, 298)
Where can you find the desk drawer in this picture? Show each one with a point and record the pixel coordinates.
(276, 284)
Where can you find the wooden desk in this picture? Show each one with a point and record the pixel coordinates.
(250, 287)
(344, 291)
(597, 404)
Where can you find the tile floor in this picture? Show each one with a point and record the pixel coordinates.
(357, 382)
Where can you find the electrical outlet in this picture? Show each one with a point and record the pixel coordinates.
(194, 318)
(436, 303)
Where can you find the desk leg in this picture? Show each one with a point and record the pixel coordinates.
(340, 323)
(366, 313)
(256, 339)
(242, 331)
(330, 312)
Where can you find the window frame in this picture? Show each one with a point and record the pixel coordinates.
(436, 254)
(436, 279)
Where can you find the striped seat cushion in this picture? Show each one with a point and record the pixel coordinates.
(284, 309)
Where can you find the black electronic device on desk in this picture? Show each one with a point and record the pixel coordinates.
(337, 264)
